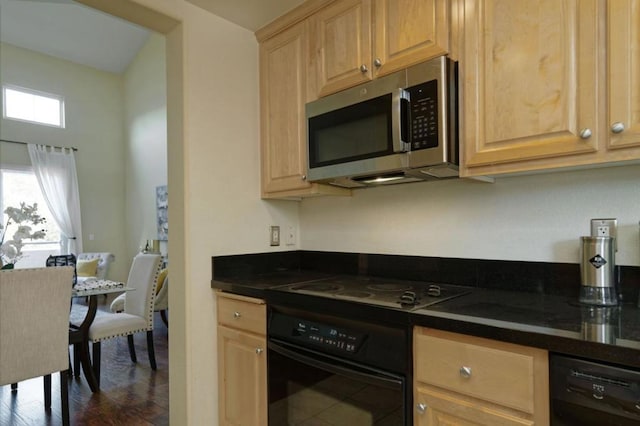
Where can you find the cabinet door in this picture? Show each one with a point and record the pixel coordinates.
(624, 73)
(407, 32)
(530, 82)
(435, 408)
(341, 35)
(283, 94)
(242, 377)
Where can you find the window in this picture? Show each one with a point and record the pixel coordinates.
(18, 186)
(32, 106)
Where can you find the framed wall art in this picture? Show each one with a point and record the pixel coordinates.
(162, 205)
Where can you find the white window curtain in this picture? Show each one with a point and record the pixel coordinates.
(55, 170)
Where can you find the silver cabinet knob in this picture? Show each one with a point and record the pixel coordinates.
(304, 177)
(585, 133)
(421, 408)
(259, 350)
(617, 127)
(377, 62)
(363, 68)
(236, 315)
(465, 372)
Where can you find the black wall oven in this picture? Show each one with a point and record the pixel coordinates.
(325, 369)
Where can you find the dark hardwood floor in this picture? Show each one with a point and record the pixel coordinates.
(130, 394)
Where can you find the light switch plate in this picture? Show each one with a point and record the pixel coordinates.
(275, 236)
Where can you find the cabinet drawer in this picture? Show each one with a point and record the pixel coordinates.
(445, 408)
(493, 371)
(242, 313)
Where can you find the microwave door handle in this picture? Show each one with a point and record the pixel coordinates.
(401, 121)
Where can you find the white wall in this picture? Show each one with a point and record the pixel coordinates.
(145, 107)
(94, 125)
(531, 218)
(223, 210)
(214, 181)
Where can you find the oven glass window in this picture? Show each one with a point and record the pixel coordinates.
(351, 133)
(302, 394)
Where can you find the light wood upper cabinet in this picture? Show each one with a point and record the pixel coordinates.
(624, 73)
(342, 35)
(284, 86)
(409, 31)
(283, 82)
(549, 84)
(529, 75)
(357, 40)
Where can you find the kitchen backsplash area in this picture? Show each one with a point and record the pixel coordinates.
(530, 218)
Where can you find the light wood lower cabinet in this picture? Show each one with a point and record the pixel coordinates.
(464, 380)
(242, 361)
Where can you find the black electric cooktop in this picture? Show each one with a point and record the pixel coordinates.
(406, 295)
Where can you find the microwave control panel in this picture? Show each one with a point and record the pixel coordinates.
(423, 115)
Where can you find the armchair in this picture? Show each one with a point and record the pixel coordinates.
(102, 267)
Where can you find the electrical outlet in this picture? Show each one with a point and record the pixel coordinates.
(275, 236)
(291, 235)
(604, 228)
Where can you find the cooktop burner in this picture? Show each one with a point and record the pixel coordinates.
(355, 293)
(406, 295)
(389, 287)
(319, 287)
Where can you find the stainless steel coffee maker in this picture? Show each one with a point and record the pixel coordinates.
(597, 271)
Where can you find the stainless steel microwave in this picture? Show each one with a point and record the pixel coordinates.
(395, 129)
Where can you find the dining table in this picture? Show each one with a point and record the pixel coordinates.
(79, 330)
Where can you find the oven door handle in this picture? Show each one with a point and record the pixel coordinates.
(337, 366)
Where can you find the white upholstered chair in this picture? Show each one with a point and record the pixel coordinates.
(138, 312)
(161, 303)
(34, 328)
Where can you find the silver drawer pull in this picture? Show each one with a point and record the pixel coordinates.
(236, 315)
(585, 133)
(617, 127)
(421, 408)
(465, 372)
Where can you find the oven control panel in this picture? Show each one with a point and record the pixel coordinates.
(327, 336)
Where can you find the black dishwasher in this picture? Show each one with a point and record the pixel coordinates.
(589, 393)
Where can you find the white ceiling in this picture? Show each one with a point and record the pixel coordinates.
(74, 32)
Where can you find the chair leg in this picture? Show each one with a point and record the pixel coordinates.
(64, 397)
(163, 315)
(14, 387)
(77, 358)
(150, 349)
(132, 349)
(47, 391)
(96, 361)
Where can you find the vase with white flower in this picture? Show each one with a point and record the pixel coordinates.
(23, 219)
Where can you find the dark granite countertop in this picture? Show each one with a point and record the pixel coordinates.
(555, 323)
(532, 304)
(255, 285)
